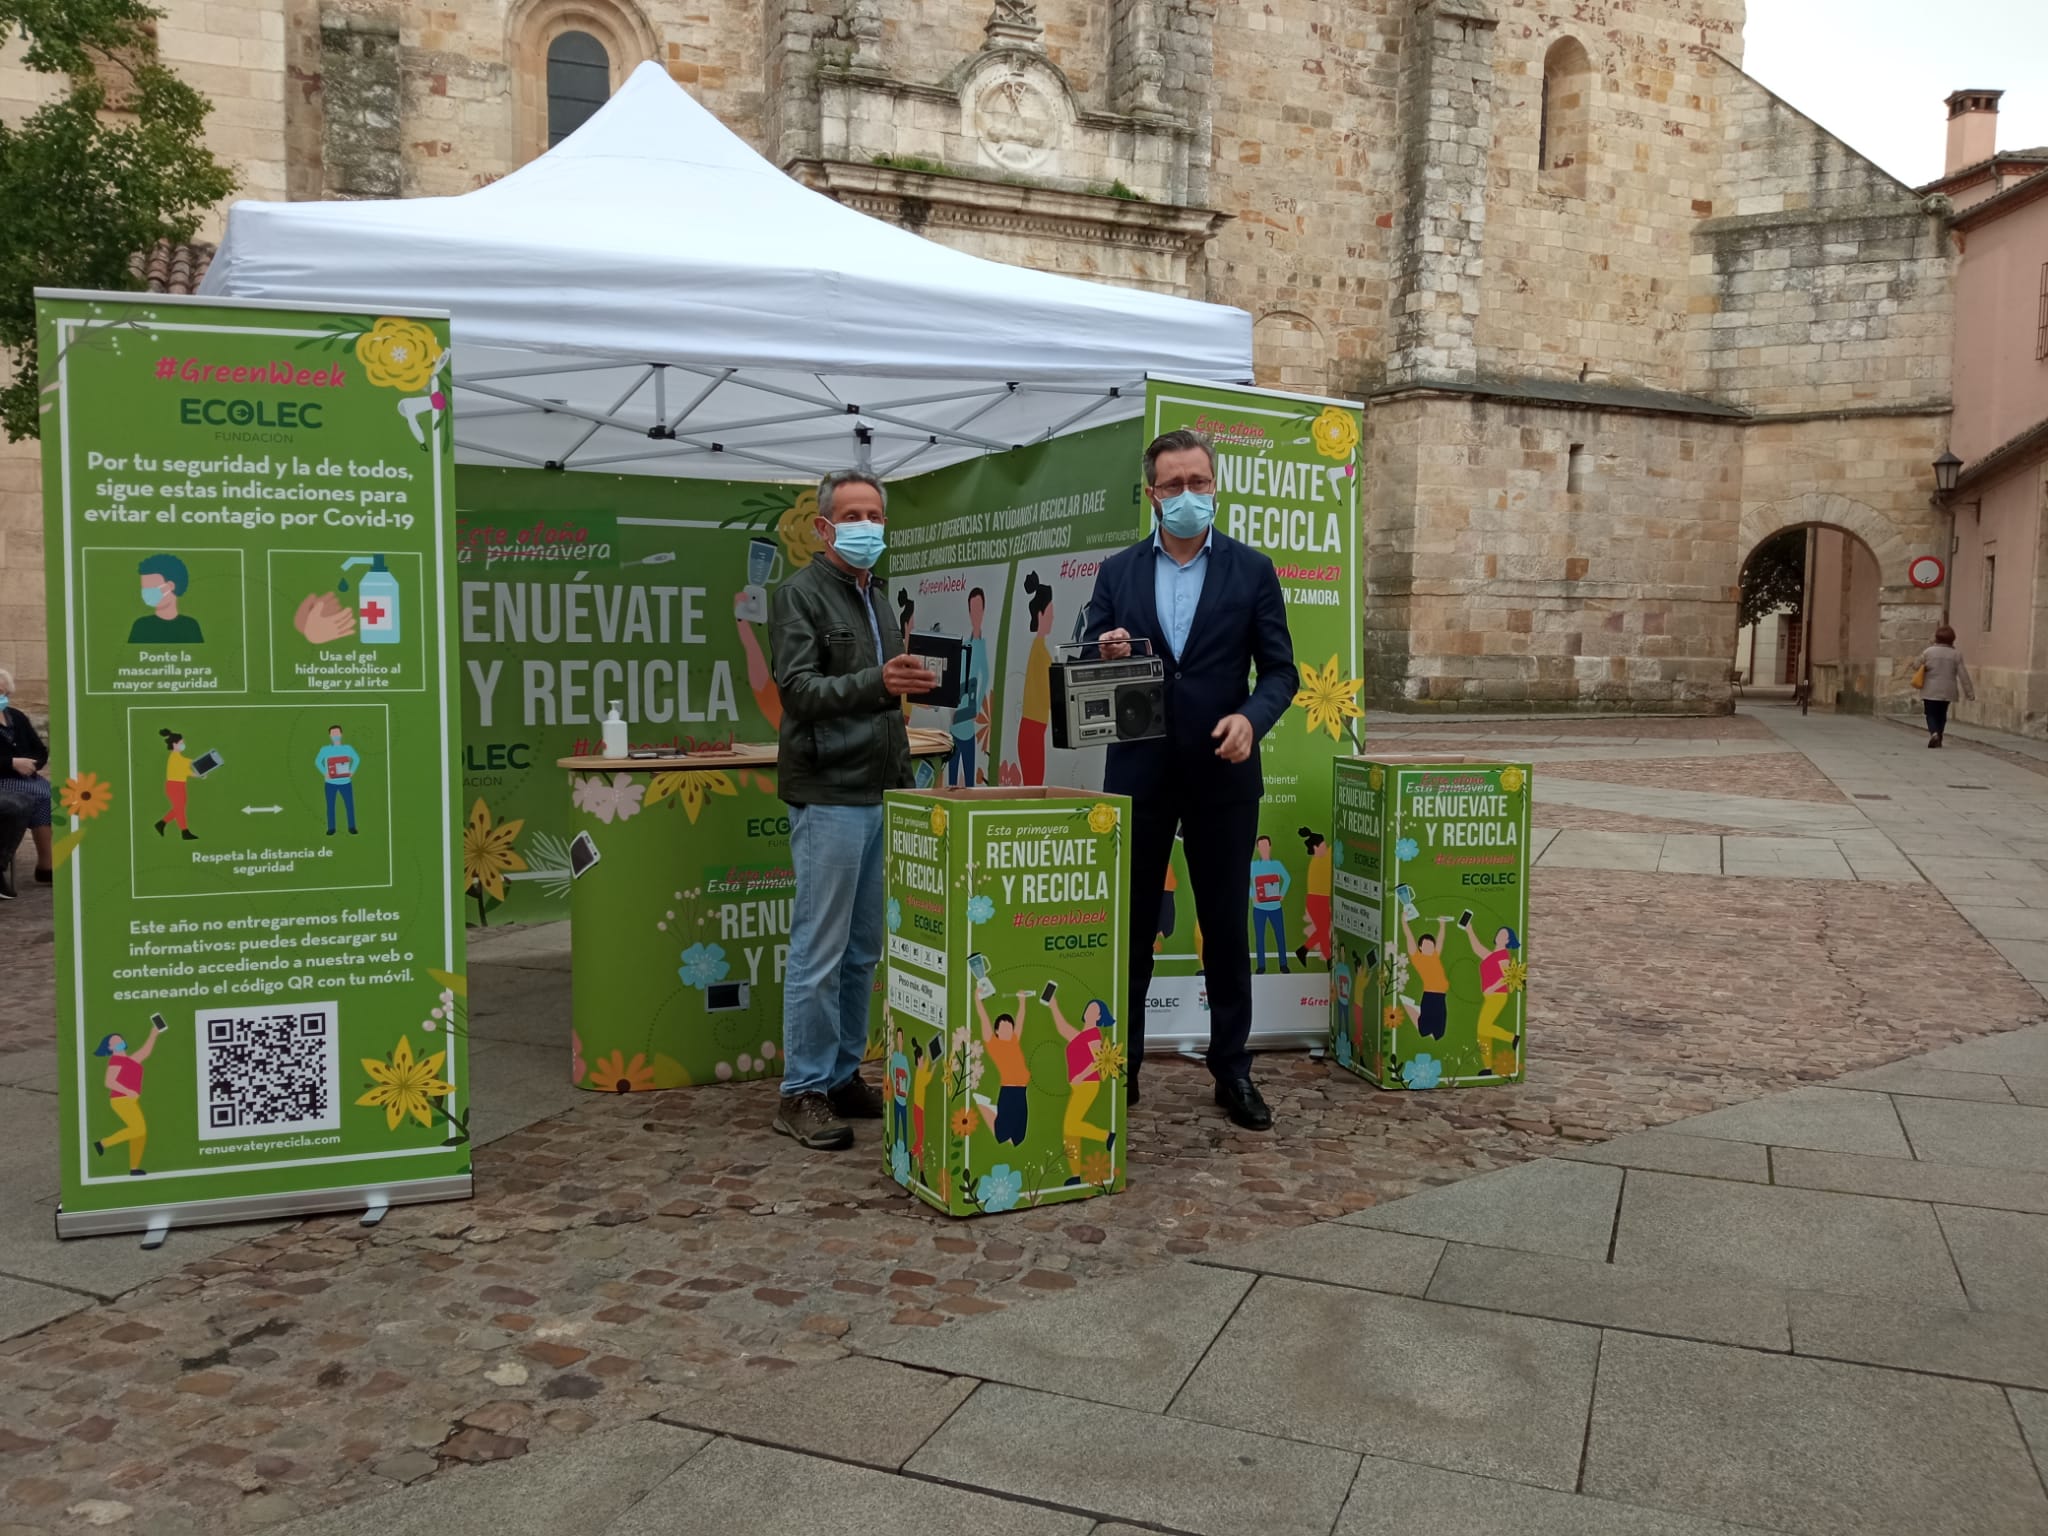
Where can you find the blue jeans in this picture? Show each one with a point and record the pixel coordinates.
(835, 942)
(346, 794)
(960, 763)
(1276, 919)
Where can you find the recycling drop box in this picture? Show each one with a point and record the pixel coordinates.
(1430, 912)
(1003, 1045)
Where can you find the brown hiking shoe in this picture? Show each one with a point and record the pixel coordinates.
(856, 1099)
(809, 1120)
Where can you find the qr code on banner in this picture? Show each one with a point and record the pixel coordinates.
(264, 1071)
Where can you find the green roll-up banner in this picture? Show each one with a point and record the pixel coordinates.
(250, 555)
(1288, 475)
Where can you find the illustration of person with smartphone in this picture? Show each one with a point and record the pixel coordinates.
(1315, 937)
(1084, 1080)
(1493, 983)
(124, 1093)
(899, 1088)
(337, 762)
(177, 781)
(926, 1063)
(1009, 1117)
(1431, 1015)
(1270, 883)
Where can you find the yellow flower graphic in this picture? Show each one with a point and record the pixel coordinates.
(964, 1122)
(1102, 819)
(1504, 1063)
(1375, 777)
(800, 541)
(692, 790)
(487, 855)
(398, 354)
(1109, 1060)
(1515, 974)
(1511, 780)
(1330, 698)
(1393, 1018)
(938, 821)
(84, 795)
(404, 1086)
(1097, 1168)
(1335, 433)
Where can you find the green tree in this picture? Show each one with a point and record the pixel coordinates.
(82, 188)
(1774, 580)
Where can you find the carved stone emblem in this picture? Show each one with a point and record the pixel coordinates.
(1017, 121)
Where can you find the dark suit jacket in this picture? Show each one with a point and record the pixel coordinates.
(1240, 624)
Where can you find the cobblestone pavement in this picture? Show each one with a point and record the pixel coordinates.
(628, 1254)
(1777, 776)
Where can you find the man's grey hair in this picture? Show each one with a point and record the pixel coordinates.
(839, 477)
(6, 681)
(1172, 442)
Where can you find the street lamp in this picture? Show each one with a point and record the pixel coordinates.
(1947, 469)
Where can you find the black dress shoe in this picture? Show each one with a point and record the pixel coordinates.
(1240, 1100)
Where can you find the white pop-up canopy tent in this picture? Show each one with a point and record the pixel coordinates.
(652, 297)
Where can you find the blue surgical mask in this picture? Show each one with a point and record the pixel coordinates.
(860, 545)
(1188, 515)
(5, 701)
(151, 596)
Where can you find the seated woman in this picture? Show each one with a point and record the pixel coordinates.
(24, 792)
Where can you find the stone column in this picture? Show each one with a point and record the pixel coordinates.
(362, 126)
(1137, 66)
(1446, 116)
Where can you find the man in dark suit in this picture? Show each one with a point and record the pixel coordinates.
(1212, 608)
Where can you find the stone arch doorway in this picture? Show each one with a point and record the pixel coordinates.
(1861, 622)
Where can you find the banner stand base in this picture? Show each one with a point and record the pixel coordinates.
(156, 1221)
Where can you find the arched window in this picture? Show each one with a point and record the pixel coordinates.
(579, 82)
(1564, 132)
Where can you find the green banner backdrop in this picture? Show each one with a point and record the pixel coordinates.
(259, 948)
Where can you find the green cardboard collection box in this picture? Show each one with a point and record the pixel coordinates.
(1003, 1053)
(1430, 908)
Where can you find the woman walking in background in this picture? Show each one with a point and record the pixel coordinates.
(1941, 673)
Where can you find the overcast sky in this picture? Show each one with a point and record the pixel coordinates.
(1874, 72)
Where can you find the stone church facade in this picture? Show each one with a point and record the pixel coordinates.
(1618, 312)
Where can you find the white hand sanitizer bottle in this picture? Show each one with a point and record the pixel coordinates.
(614, 733)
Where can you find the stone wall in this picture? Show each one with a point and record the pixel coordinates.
(1492, 581)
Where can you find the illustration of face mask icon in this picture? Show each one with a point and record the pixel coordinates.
(764, 564)
(151, 595)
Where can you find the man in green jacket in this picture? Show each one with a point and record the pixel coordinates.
(843, 676)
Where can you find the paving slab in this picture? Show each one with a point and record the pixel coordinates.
(736, 1489)
(579, 1488)
(1822, 1119)
(2028, 1090)
(1790, 1444)
(2001, 1255)
(26, 1306)
(1131, 1342)
(2031, 1409)
(1476, 1391)
(33, 1064)
(1337, 1254)
(1399, 1498)
(2023, 1051)
(2027, 956)
(1797, 1238)
(857, 1409)
(1673, 1152)
(2005, 1189)
(1978, 1135)
(516, 1085)
(2003, 922)
(1611, 1296)
(1690, 853)
(2006, 1347)
(1639, 851)
(519, 1004)
(1916, 1081)
(1548, 1206)
(1777, 858)
(1141, 1467)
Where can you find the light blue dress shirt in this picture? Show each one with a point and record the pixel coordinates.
(1177, 589)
